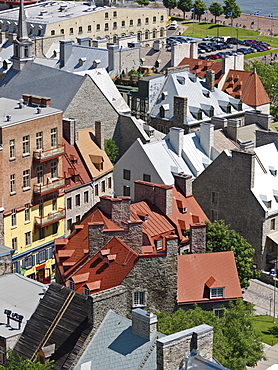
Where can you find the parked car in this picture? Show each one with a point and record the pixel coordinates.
(173, 25)
(207, 38)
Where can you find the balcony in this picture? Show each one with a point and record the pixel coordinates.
(51, 218)
(45, 155)
(53, 185)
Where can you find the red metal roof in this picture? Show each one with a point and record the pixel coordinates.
(199, 67)
(194, 271)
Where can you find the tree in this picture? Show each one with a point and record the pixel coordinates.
(199, 8)
(170, 4)
(185, 6)
(111, 150)
(236, 343)
(231, 7)
(18, 363)
(221, 238)
(143, 2)
(216, 9)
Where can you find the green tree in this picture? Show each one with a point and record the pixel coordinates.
(199, 8)
(185, 6)
(111, 150)
(221, 238)
(170, 4)
(231, 7)
(143, 2)
(18, 363)
(216, 9)
(235, 344)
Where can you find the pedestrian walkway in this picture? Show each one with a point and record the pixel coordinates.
(271, 354)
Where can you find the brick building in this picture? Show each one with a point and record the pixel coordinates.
(32, 203)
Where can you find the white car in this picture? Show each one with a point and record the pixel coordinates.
(173, 25)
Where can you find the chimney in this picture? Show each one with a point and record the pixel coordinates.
(218, 122)
(99, 134)
(176, 139)
(178, 52)
(193, 50)
(144, 323)
(183, 183)
(96, 238)
(65, 51)
(180, 110)
(118, 209)
(84, 41)
(113, 55)
(227, 64)
(232, 129)
(69, 130)
(210, 79)
(198, 238)
(206, 137)
(172, 245)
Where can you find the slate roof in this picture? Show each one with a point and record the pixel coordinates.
(70, 325)
(115, 346)
(21, 295)
(200, 66)
(150, 56)
(5, 251)
(194, 271)
(247, 86)
(41, 80)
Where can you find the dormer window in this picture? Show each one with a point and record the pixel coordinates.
(82, 61)
(158, 244)
(229, 108)
(71, 285)
(211, 111)
(273, 171)
(217, 293)
(164, 95)
(199, 114)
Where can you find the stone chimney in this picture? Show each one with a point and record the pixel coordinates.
(96, 238)
(144, 323)
(84, 41)
(116, 208)
(175, 137)
(198, 238)
(69, 130)
(232, 129)
(210, 79)
(206, 137)
(193, 50)
(172, 245)
(180, 110)
(65, 51)
(183, 183)
(99, 134)
(264, 120)
(218, 122)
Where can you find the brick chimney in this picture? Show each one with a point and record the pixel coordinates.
(210, 79)
(198, 238)
(175, 137)
(99, 134)
(183, 183)
(144, 323)
(180, 110)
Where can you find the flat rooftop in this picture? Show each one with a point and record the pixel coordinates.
(52, 11)
(17, 115)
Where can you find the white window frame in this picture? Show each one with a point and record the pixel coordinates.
(12, 184)
(14, 243)
(12, 149)
(27, 212)
(217, 292)
(139, 298)
(26, 179)
(26, 144)
(39, 140)
(28, 241)
(13, 217)
(53, 137)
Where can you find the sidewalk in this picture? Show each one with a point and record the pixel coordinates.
(271, 353)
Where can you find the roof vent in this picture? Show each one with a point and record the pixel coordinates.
(39, 110)
(9, 117)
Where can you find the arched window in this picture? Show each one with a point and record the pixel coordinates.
(147, 35)
(154, 33)
(139, 36)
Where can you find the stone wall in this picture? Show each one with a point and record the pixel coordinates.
(198, 238)
(157, 277)
(6, 264)
(41, 45)
(172, 349)
(265, 120)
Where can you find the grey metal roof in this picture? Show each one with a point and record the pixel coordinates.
(41, 80)
(115, 346)
(4, 251)
(21, 295)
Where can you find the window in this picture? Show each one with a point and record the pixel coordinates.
(39, 140)
(213, 215)
(26, 144)
(138, 299)
(229, 108)
(123, 23)
(214, 197)
(62, 31)
(96, 190)
(41, 233)
(12, 184)
(272, 227)
(106, 27)
(53, 137)
(139, 36)
(41, 208)
(28, 262)
(86, 291)
(154, 19)
(77, 218)
(158, 244)
(98, 27)
(77, 200)
(154, 34)
(114, 25)
(106, 15)
(103, 186)
(86, 197)
(219, 312)
(26, 179)
(161, 18)
(39, 174)
(55, 228)
(27, 213)
(131, 22)
(14, 244)
(69, 203)
(54, 203)
(71, 30)
(52, 32)
(126, 191)
(89, 28)
(216, 292)
(71, 285)
(147, 21)
(114, 14)
(54, 173)
(80, 29)
(146, 35)
(12, 149)
(69, 224)
(146, 177)
(28, 238)
(126, 174)
(42, 256)
(161, 32)
(109, 182)
(139, 22)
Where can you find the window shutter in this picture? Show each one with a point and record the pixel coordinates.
(46, 254)
(17, 267)
(37, 258)
(51, 252)
(33, 260)
(24, 263)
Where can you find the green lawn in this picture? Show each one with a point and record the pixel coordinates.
(267, 328)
